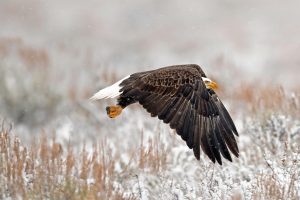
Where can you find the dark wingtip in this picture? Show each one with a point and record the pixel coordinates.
(237, 154)
(237, 134)
(196, 151)
(229, 158)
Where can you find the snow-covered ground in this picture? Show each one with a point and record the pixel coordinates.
(55, 54)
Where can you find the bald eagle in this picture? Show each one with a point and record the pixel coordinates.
(183, 97)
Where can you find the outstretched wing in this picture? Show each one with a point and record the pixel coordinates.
(178, 96)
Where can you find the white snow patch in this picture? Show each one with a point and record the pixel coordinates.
(64, 132)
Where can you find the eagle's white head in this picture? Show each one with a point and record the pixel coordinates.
(209, 83)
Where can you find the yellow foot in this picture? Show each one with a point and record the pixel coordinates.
(113, 111)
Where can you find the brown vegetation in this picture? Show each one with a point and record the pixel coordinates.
(48, 170)
(268, 99)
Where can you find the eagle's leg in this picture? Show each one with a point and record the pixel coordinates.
(123, 101)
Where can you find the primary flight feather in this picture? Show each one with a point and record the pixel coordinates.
(183, 97)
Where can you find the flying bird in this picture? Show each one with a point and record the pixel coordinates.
(183, 97)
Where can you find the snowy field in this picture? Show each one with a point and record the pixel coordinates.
(56, 144)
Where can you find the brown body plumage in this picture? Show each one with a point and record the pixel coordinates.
(178, 96)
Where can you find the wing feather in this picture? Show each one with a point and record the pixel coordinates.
(230, 140)
(156, 108)
(191, 129)
(196, 146)
(204, 140)
(172, 113)
(184, 122)
(164, 112)
(213, 140)
(223, 148)
(175, 122)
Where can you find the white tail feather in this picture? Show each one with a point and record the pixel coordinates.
(110, 91)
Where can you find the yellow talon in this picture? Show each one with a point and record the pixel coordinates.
(113, 111)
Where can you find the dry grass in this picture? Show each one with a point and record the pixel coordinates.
(48, 170)
(154, 156)
(267, 99)
(280, 177)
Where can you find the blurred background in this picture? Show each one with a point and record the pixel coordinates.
(56, 54)
(260, 39)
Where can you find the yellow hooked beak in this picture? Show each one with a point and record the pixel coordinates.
(212, 85)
